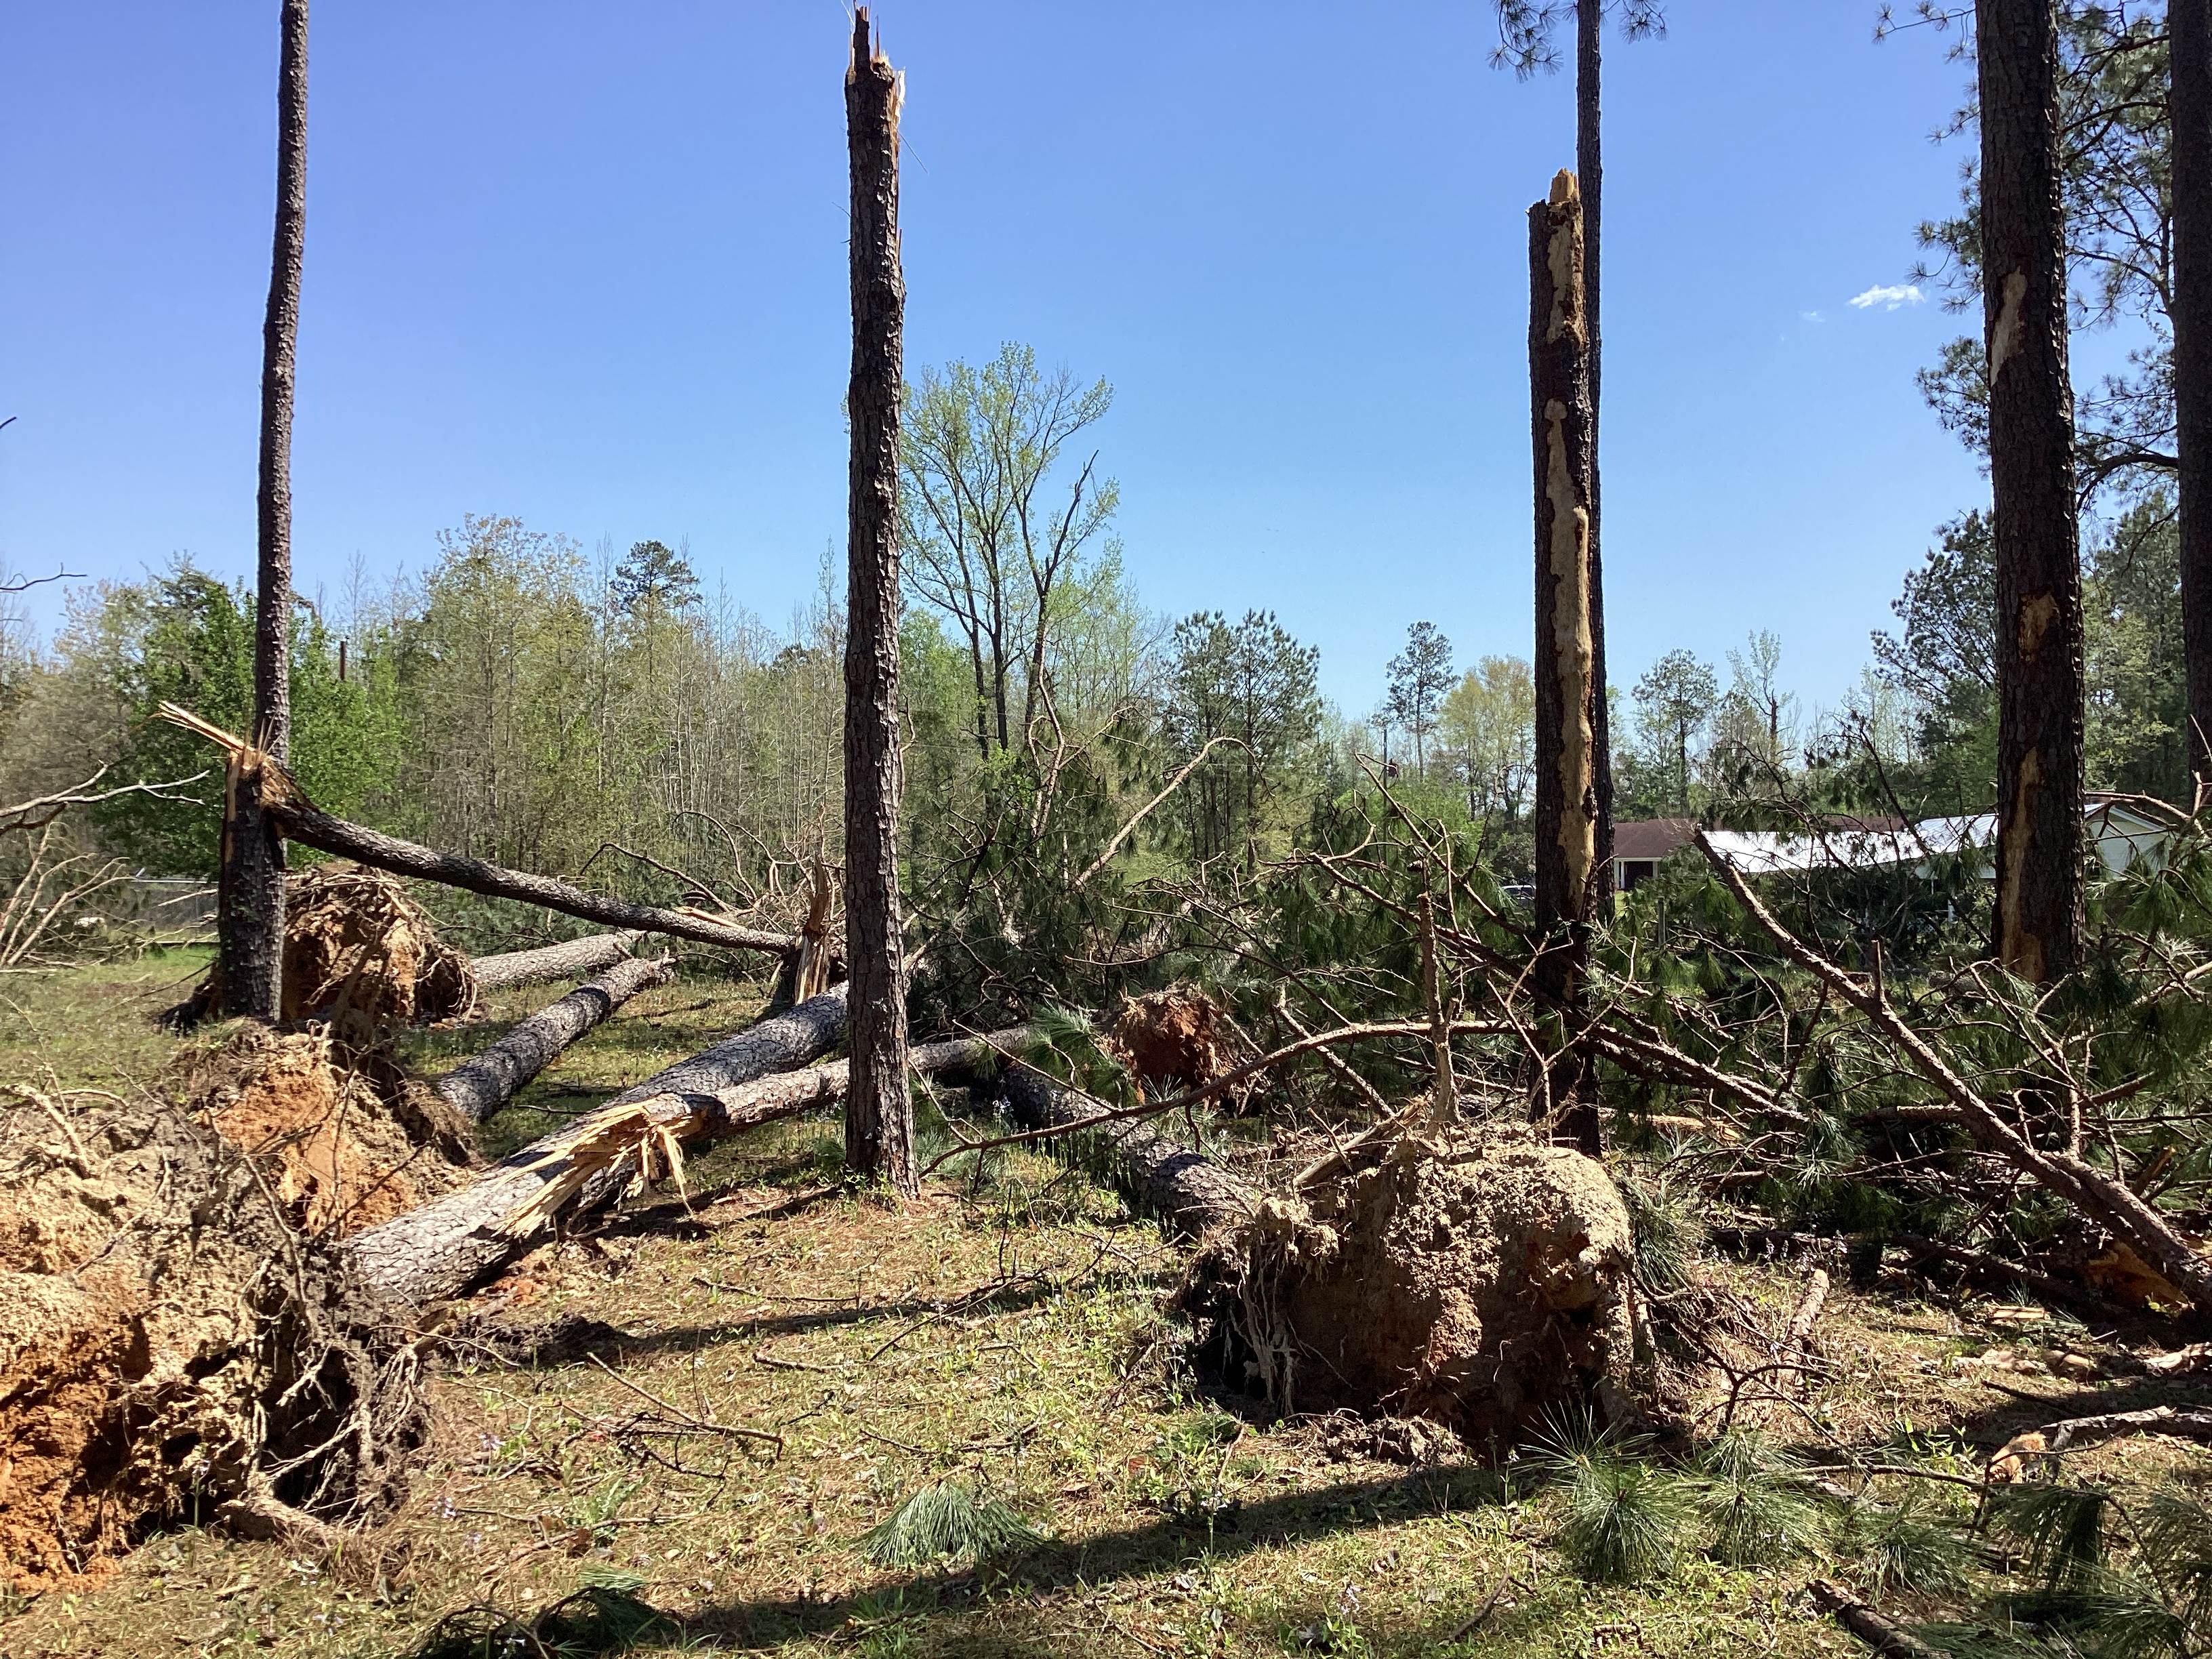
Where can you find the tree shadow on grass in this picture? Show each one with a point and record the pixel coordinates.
(1020, 1588)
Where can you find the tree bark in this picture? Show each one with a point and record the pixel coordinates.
(879, 1110)
(1570, 698)
(250, 892)
(1590, 171)
(1185, 1188)
(480, 1085)
(2188, 26)
(2036, 928)
(450, 1243)
(562, 961)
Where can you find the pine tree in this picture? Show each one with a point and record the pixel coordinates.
(878, 1110)
(251, 924)
(2189, 47)
(2037, 925)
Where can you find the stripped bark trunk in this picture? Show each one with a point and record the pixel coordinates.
(2036, 927)
(563, 961)
(301, 819)
(445, 1246)
(1183, 1186)
(250, 892)
(1570, 698)
(2188, 26)
(878, 1110)
(811, 976)
(481, 1084)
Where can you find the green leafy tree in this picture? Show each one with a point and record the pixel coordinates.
(1250, 688)
(1675, 699)
(1420, 675)
(992, 536)
(1488, 724)
(1944, 659)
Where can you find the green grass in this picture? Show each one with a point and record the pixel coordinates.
(92, 1026)
(1003, 1336)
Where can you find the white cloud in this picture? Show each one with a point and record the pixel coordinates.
(1889, 298)
(1814, 316)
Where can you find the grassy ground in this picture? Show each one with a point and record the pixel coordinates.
(1008, 1337)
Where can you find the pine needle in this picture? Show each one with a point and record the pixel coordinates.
(945, 1521)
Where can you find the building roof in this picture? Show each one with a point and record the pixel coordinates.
(1652, 838)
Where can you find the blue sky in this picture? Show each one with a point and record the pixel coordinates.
(585, 265)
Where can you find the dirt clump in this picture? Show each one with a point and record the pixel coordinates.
(1471, 1276)
(182, 1332)
(1172, 1040)
(360, 955)
(343, 1137)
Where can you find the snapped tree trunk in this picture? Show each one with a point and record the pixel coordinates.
(2189, 27)
(300, 818)
(1590, 178)
(2037, 925)
(250, 892)
(1570, 697)
(1169, 1179)
(481, 1084)
(879, 1110)
(452, 1242)
(562, 961)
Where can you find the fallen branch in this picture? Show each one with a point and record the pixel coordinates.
(2010, 1461)
(1104, 1114)
(301, 820)
(2110, 1203)
(42, 810)
(1862, 1621)
(479, 1087)
(1145, 810)
(447, 1244)
(1797, 1341)
(1990, 1266)
(564, 961)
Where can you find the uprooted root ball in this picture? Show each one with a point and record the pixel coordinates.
(344, 1139)
(1473, 1277)
(360, 954)
(181, 1335)
(1172, 1039)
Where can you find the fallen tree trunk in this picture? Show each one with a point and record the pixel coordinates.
(563, 961)
(301, 820)
(1183, 1186)
(479, 1087)
(444, 1246)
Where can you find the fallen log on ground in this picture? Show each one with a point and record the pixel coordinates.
(301, 820)
(1885, 1636)
(480, 1085)
(2018, 1456)
(586, 955)
(452, 1242)
(1183, 1186)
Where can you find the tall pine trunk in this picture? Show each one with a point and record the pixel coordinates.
(1570, 697)
(1589, 168)
(251, 891)
(2038, 921)
(2189, 27)
(879, 1110)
